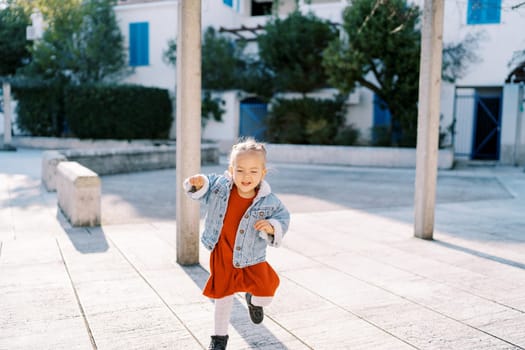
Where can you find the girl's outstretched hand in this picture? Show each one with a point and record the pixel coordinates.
(264, 225)
(196, 181)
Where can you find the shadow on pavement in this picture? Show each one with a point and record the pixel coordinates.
(151, 195)
(239, 318)
(86, 240)
(477, 253)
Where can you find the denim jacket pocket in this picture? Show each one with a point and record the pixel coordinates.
(259, 248)
(261, 213)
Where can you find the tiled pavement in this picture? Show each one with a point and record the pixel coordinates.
(352, 274)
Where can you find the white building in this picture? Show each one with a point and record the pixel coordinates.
(488, 113)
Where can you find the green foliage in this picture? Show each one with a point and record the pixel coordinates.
(82, 43)
(13, 45)
(292, 48)
(100, 54)
(305, 121)
(222, 60)
(93, 111)
(39, 109)
(222, 67)
(212, 107)
(53, 56)
(257, 79)
(381, 54)
(381, 136)
(118, 112)
(347, 135)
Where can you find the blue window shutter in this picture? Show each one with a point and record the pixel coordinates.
(139, 44)
(228, 3)
(474, 11)
(483, 11)
(493, 11)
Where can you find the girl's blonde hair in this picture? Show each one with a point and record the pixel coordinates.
(248, 144)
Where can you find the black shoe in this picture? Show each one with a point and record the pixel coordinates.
(218, 342)
(256, 312)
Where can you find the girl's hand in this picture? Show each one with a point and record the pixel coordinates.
(264, 225)
(196, 181)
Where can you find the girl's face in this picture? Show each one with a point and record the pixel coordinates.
(247, 170)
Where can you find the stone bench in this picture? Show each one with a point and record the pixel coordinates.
(78, 194)
(119, 160)
(50, 161)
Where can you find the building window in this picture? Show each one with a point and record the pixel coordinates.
(261, 7)
(139, 44)
(228, 3)
(483, 11)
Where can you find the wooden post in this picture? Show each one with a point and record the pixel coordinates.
(188, 124)
(428, 118)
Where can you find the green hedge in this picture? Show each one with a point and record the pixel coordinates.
(39, 109)
(118, 112)
(93, 111)
(309, 121)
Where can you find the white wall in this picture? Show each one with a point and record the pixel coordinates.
(512, 126)
(361, 115)
(162, 19)
(447, 107)
(499, 41)
(227, 131)
(331, 10)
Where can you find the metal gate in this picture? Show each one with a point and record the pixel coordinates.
(252, 116)
(477, 121)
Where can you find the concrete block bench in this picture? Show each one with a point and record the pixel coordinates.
(78, 194)
(50, 160)
(119, 160)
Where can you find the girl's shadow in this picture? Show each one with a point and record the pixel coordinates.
(257, 336)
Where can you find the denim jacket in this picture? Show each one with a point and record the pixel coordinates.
(250, 245)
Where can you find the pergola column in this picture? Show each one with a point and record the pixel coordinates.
(188, 124)
(428, 118)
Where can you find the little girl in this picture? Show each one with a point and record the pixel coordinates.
(243, 217)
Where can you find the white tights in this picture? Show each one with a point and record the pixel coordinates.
(223, 309)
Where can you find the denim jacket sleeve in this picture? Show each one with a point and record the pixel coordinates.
(203, 193)
(280, 221)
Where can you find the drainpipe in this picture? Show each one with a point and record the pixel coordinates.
(519, 117)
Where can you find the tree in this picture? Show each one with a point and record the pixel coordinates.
(222, 60)
(52, 55)
(82, 44)
(13, 44)
(292, 50)
(381, 53)
(100, 44)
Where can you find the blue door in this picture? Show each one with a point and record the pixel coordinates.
(252, 119)
(486, 138)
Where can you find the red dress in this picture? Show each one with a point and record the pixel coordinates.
(225, 279)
